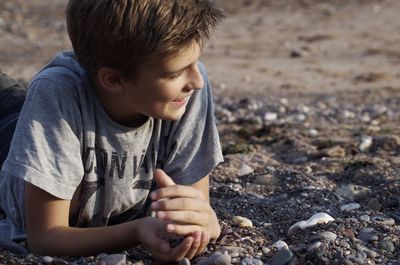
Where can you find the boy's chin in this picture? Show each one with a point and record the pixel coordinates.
(173, 116)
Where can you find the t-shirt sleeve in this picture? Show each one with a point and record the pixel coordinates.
(190, 146)
(45, 149)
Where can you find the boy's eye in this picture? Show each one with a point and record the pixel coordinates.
(175, 75)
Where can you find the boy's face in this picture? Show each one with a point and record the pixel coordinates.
(163, 88)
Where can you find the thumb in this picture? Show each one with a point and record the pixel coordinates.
(162, 179)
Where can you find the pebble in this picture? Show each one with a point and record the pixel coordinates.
(265, 180)
(47, 259)
(251, 261)
(245, 170)
(280, 244)
(335, 151)
(383, 220)
(281, 257)
(374, 205)
(369, 252)
(359, 259)
(242, 221)
(224, 259)
(114, 259)
(368, 234)
(328, 236)
(270, 116)
(352, 192)
(350, 207)
(184, 261)
(318, 218)
(313, 132)
(217, 258)
(365, 218)
(365, 144)
(314, 247)
(387, 245)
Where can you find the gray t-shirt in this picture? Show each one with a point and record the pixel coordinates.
(66, 144)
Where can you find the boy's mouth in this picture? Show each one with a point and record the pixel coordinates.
(181, 100)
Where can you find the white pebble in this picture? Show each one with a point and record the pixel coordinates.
(242, 221)
(245, 170)
(313, 132)
(280, 244)
(270, 116)
(318, 218)
(350, 207)
(366, 143)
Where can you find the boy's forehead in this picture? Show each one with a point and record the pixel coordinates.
(180, 59)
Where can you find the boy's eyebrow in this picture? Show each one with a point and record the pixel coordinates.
(177, 71)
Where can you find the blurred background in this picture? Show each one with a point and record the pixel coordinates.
(283, 47)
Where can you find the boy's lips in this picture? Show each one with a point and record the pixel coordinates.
(179, 100)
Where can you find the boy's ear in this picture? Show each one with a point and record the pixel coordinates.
(110, 79)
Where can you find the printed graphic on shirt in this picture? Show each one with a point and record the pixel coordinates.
(123, 177)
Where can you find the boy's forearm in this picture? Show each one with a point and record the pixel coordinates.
(215, 228)
(72, 241)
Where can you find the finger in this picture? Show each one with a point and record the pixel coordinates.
(158, 244)
(184, 217)
(183, 230)
(195, 245)
(176, 191)
(162, 179)
(180, 251)
(205, 239)
(181, 204)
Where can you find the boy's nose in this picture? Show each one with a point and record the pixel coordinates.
(196, 79)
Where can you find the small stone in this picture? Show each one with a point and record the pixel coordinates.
(313, 132)
(280, 244)
(281, 257)
(211, 259)
(184, 261)
(368, 234)
(318, 218)
(59, 261)
(387, 245)
(352, 192)
(266, 250)
(374, 205)
(314, 247)
(114, 259)
(245, 170)
(350, 207)
(365, 218)
(270, 116)
(265, 180)
(251, 261)
(336, 151)
(383, 220)
(47, 259)
(366, 143)
(369, 252)
(242, 221)
(223, 259)
(328, 236)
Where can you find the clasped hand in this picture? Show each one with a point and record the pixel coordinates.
(180, 211)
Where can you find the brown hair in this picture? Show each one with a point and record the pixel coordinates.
(123, 34)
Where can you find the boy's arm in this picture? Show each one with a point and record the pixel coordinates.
(49, 232)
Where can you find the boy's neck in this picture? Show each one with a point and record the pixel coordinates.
(116, 110)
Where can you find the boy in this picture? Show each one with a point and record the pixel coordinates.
(96, 124)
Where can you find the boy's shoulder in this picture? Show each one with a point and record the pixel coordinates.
(63, 69)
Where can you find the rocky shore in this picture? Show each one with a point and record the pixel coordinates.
(307, 102)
